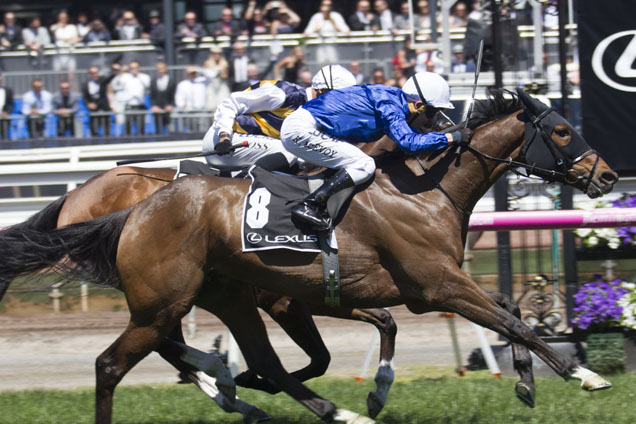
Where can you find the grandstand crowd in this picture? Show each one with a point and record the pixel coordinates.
(123, 98)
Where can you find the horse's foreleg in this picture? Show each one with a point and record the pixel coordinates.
(383, 321)
(296, 320)
(460, 294)
(243, 320)
(521, 358)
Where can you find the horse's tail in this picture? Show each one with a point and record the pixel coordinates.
(44, 220)
(83, 251)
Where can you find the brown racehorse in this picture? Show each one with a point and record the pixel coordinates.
(401, 241)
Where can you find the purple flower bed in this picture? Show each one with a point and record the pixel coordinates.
(627, 234)
(597, 305)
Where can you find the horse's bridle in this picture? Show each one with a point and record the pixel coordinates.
(564, 173)
(564, 164)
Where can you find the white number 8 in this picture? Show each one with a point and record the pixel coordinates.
(258, 215)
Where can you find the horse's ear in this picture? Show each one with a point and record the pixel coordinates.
(530, 104)
(414, 166)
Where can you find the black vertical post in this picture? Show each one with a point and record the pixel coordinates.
(504, 256)
(496, 43)
(563, 15)
(569, 257)
(168, 25)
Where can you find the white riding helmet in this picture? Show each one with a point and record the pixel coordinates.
(430, 88)
(332, 77)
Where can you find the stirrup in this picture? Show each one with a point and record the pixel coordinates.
(309, 214)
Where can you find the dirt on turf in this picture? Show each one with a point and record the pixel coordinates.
(58, 351)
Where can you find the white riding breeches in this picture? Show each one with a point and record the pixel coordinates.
(302, 137)
(258, 146)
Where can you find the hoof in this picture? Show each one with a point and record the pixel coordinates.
(256, 416)
(595, 383)
(374, 404)
(590, 380)
(525, 393)
(350, 417)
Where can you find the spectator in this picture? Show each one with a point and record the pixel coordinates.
(385, 15)
(190, 27)
(282, 19)
(458, 15)
(118, 94)
(378, 76)
(6, 108)
(218, 88)
(326, 23)
(66, 36)
(190, 97)
(155, 30)
(458, 64)
(162, 90)
(65, 106)
(10, 32)
(354, 67)
(228, 25)
(238, 65)
(429, 60)
(127, 27)
(82, 25)
(97, 32)
(405, 59)
(95, 95)
(35, 37)
(364, 19)
(398, 79)
(291, 66)
(36, 104)
(255, 19)
(424, 17)
(402, 20)
(135, 85)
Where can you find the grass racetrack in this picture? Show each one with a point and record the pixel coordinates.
(431, 395)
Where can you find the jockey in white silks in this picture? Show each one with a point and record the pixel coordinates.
(256, 115)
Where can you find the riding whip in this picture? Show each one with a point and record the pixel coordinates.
(472, 99)
(131, 161)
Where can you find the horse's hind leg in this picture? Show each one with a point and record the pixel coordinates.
(242, 318)
(171, 352)
(143, 334)
(521, 358)
(460, 294)
(383, 321)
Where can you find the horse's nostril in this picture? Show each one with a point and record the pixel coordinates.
(609, 177)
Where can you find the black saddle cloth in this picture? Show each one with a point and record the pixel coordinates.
(267, 220)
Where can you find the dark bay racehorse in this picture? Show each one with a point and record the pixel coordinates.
(120, 188)
(400, 242)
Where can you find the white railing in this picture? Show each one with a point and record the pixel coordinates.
(71, 166)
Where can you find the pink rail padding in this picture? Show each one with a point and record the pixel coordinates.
(552, 220)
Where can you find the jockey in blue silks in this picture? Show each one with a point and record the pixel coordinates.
(322, 132)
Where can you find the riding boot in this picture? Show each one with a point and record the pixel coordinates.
(312, 209)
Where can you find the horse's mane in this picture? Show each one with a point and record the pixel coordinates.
(498, 103)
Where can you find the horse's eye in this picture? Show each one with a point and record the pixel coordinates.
(564, 132)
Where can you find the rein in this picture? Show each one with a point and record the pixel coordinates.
(562, 174)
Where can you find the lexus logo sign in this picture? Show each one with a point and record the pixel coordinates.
(254, 238)
(623, 68)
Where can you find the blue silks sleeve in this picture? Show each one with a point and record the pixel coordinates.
(396, 127)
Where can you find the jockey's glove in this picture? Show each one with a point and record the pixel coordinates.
(462, 137)
(224, 146)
